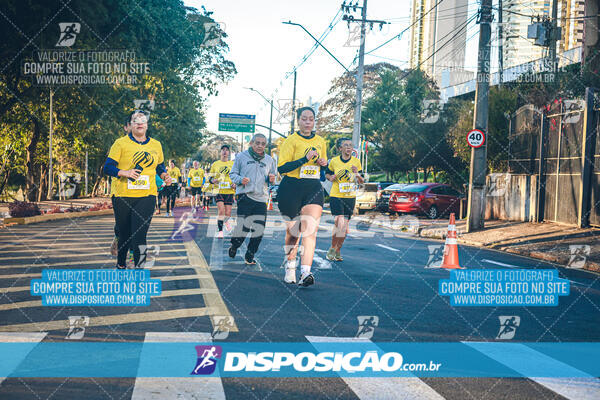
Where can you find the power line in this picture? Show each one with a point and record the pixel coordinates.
(399, 35)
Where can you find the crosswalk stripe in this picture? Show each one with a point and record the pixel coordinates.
(11, 363)
(166, 278)
(35, 252)
(83, 263)
(175, 388)
(380, 388)
(82, 254)
(118, 319)
(166, 293)
(519, 356)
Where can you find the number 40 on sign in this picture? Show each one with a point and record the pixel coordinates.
(475, 138)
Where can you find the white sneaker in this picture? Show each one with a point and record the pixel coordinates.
(306, 279)
(290, 275)
(219, 235)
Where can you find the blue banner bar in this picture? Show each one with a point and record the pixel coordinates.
(356, 359)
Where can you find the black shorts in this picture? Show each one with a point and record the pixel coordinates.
(294, 193)
(225, 198)
(196, 190)
(342, 206)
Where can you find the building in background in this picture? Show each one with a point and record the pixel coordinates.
(438, 40)
(570, 19)
(516, 16)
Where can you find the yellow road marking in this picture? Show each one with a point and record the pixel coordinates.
(166, 293)
(212, 300)
(83, 263)
(119, 319)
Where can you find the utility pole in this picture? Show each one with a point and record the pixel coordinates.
(500, 45)
(294, 105)
(478, 167)
(554, 36)
(271, 128)
(50, 172)
(361, 62)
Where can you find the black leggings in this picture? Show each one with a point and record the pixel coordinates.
(252, 216)
(171, 196)
(132, 217)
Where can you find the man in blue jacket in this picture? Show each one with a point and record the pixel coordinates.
(251, 172)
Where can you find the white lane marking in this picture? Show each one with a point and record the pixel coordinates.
(320, 251)
(322, 263)
(195, 387)
(518, 356)
(387, 247)
(11, 363)
(498, 263)
(380, 388)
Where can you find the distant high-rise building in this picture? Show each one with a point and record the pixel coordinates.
(570, 18)
(516, 16)
(438, 39)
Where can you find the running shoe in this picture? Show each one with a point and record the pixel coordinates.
(290, 275)
(220, 235)
(249, 259)
(121, 266)
(114, 247)
(232, 251)
(330, 254)
(306, 280)
(338, 256)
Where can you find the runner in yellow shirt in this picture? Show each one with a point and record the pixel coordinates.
(135, 160)
(206, 191)
(300, 194)
(225, 189)
(173, 189)
(196, 175)
(344, 171)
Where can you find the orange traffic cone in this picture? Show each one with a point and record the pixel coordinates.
(270, 204)
(451, 247)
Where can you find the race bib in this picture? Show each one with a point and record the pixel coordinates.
(346, 187)
(143, 182)
(309, 171)
(197, 179)
(224, 185)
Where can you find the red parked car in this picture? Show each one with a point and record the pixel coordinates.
(431, 199)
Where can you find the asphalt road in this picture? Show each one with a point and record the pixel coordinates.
(384, 274)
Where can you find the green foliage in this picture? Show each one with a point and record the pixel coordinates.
(165, 33)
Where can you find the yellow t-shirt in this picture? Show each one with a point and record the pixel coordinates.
(196, 176)
(295, 147)
(220, 170)
(128, 154)
(175, 174)
(207, 187)
(344, 184)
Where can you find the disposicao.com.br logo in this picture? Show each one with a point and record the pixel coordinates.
(367, 362)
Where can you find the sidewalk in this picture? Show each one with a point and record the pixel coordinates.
(49, 204)
(547, 241)
(557, 243)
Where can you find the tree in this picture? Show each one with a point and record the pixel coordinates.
(337, 112)
(165, 33)
(502, 101)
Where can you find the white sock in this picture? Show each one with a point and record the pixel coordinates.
(291, 264)
(305, 269)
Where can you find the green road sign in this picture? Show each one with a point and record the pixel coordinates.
(236, 122)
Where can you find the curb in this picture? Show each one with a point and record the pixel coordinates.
(53, 217)
(539, 255)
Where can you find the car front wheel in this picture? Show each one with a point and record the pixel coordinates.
(433, 212)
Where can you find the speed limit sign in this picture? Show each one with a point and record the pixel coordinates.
(476, 138)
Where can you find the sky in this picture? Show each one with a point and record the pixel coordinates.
(265, 50)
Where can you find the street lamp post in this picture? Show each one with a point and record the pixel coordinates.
(270, 102)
